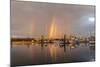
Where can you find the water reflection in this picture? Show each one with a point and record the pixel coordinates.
(26, 53)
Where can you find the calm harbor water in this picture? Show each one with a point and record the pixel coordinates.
(33, 54)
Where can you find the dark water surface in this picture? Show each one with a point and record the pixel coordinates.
(33, 54)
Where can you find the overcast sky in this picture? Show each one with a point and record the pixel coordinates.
(31, 19)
